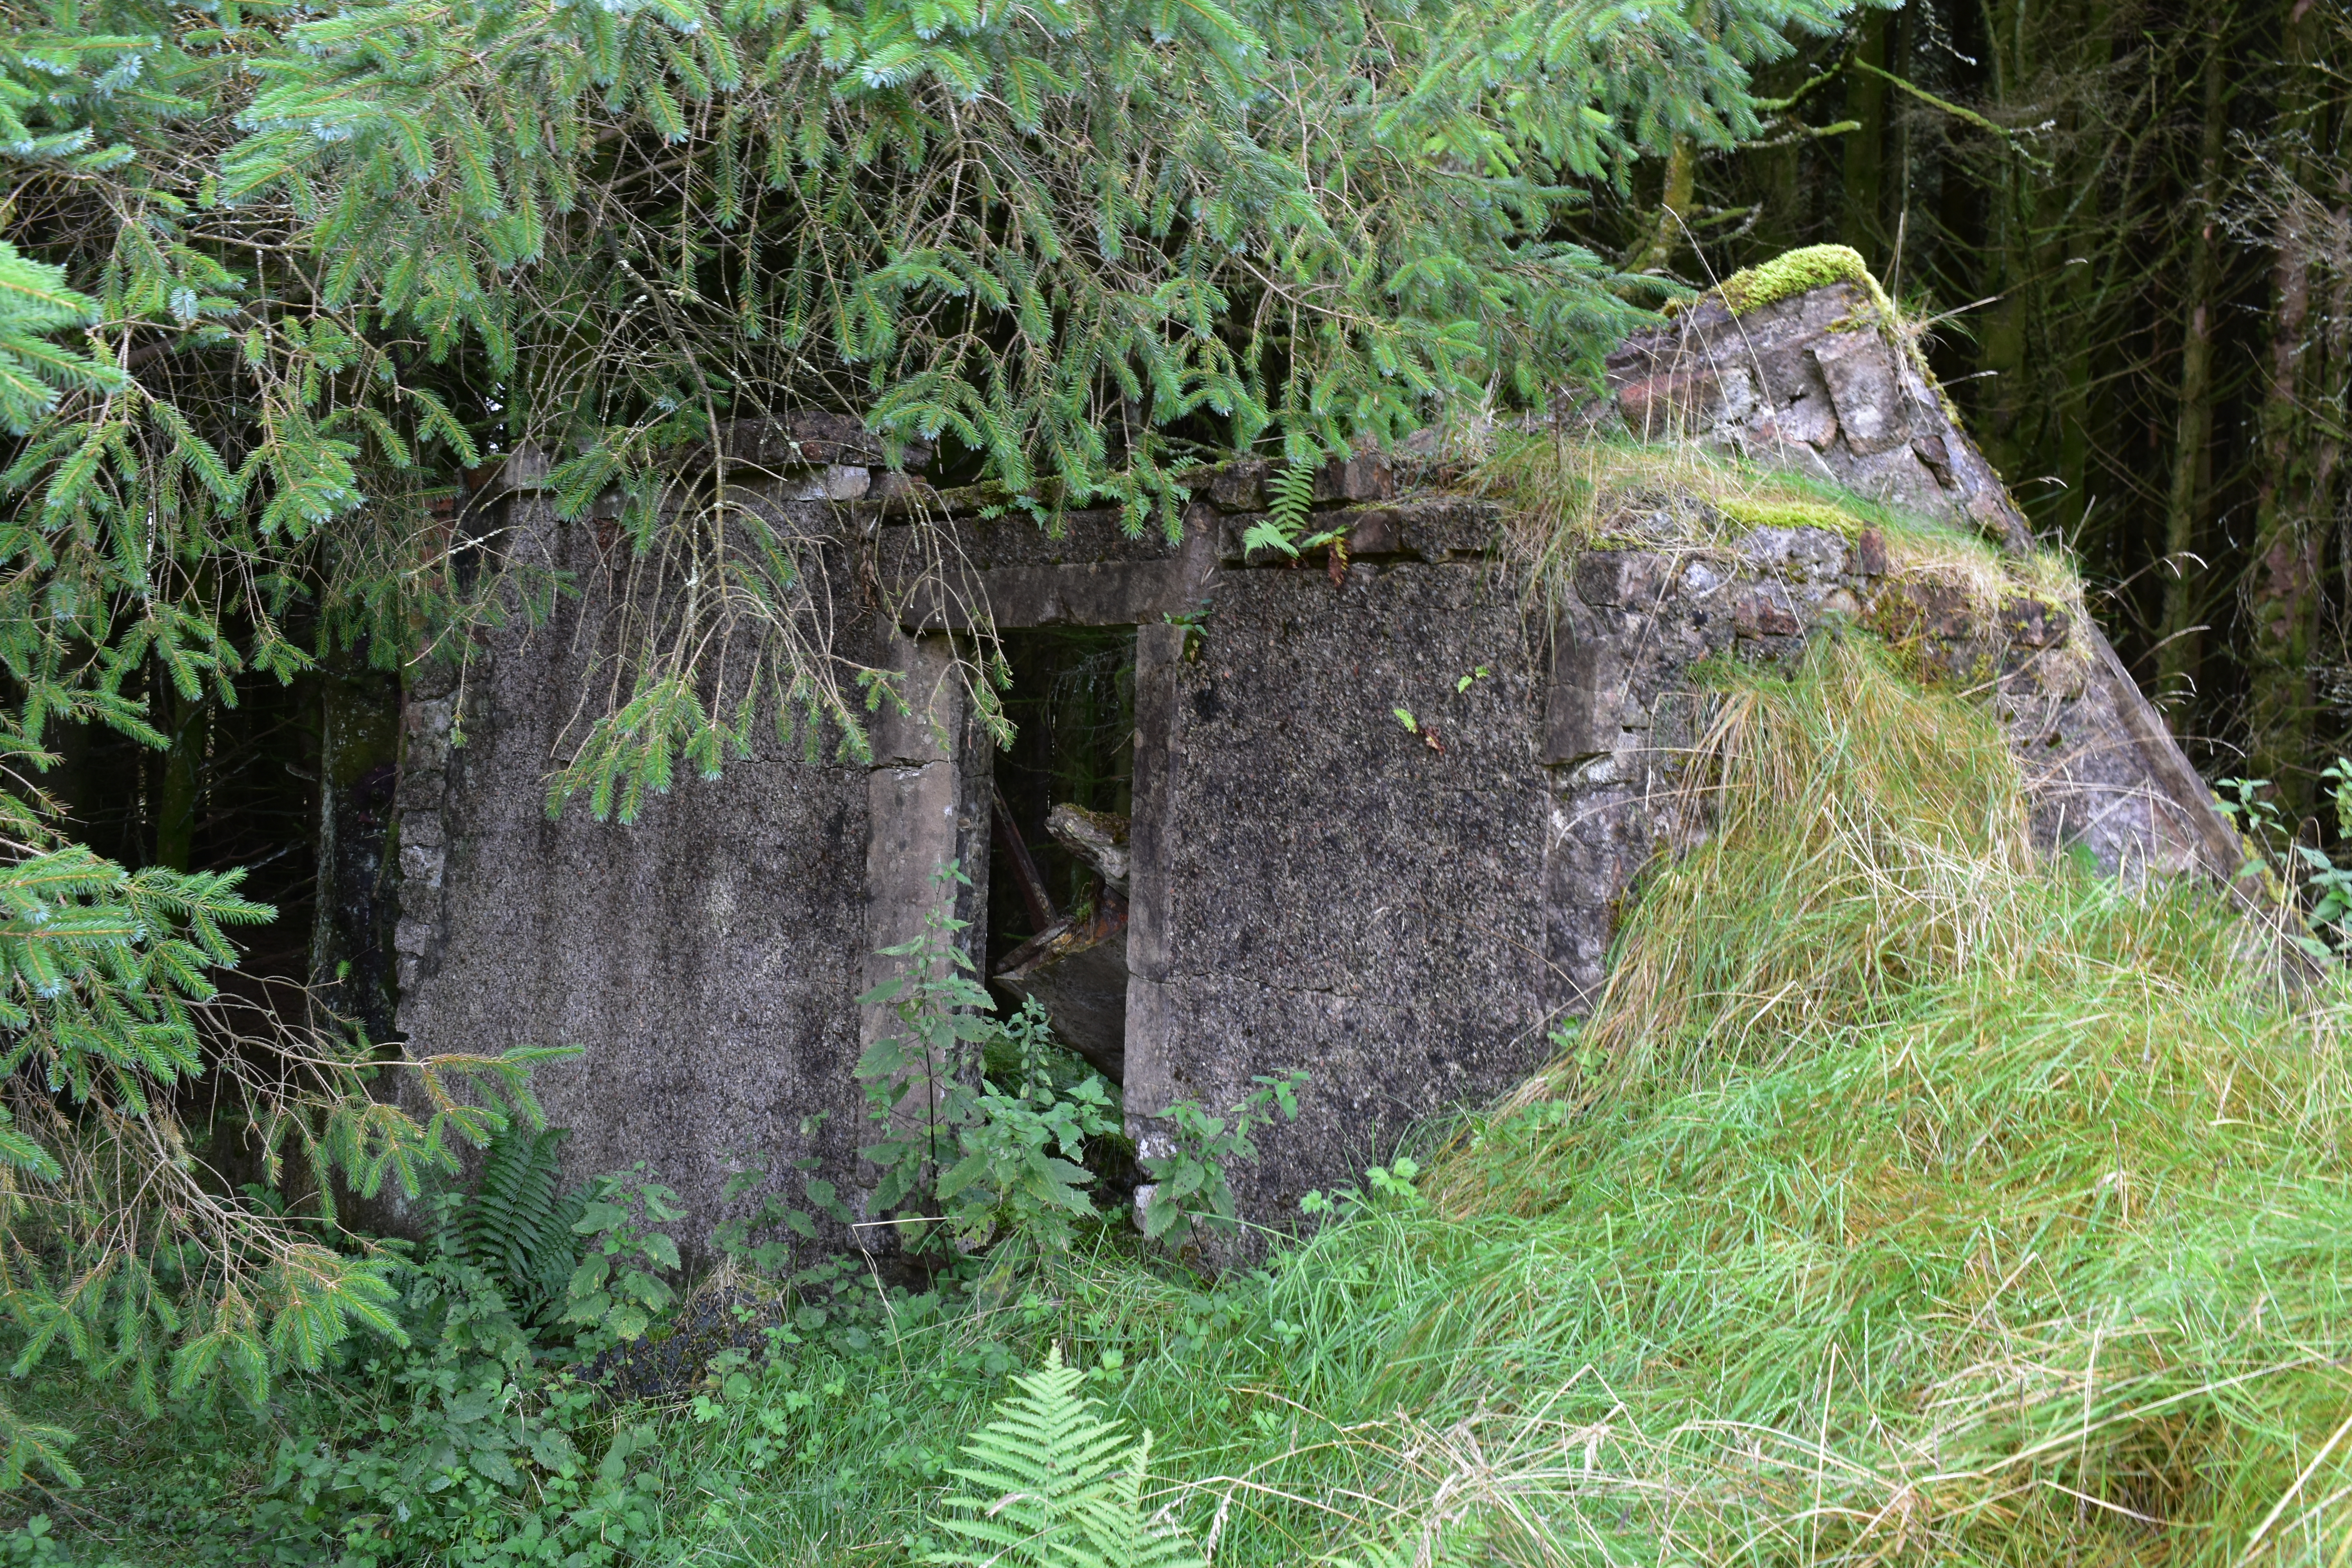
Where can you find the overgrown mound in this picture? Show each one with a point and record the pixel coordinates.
(1906, 1198)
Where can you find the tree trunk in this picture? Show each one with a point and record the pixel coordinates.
(2284, 591)
(2181, 641)
(1669, 232)
(1859, 219)
(181, 784)
(2008, 321)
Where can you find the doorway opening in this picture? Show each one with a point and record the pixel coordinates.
(1057, 851)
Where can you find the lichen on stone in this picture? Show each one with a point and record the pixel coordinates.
(1798, 272)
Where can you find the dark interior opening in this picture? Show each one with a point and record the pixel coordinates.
(1057, 876)
(1073, 703)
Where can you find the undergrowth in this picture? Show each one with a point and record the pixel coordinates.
(1907, 1199)
(1921, 1201)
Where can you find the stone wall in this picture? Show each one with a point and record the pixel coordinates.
(1402, 910)
(1820, 382)
(1825, 383)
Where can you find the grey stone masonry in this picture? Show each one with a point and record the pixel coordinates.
(1822, 383)
(1819, 383)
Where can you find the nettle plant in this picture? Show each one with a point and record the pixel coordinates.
(1188, 1188)
(984, 1122)
(2307, 876)
(981, 1159)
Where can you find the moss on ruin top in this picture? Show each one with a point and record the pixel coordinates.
(1561, 498)
(1799, 272)
(1792, 514)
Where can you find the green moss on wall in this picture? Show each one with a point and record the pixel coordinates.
(1790, 515)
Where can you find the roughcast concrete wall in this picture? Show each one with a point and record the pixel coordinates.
(1331, 890)
(705, 960)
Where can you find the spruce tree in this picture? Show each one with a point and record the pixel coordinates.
(282, 285)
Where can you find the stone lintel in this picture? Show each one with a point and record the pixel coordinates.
(1100, 594)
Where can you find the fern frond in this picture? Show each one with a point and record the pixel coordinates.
(516, 1225)
(1058, 1487)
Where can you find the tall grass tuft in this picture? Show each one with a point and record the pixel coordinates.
(1909, 1199)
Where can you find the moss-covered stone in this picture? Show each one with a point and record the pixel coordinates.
(1790, 514)
(1798, 272)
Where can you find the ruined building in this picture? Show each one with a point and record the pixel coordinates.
(1380, 813)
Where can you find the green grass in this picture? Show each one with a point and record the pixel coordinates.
(1929, 1203)
(1906, 1200)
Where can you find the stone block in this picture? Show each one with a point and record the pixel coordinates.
(421, 863)
(1796, 554)
(1366, 477)
(433, 678)
(420, 789)
(1763, 612)
(1929, 447)
(1858, 367)
(1633, 579)
(904, 489)
(1869, 555)
(427, 750)
(1585, 693)
(834, 482)
(926, 681)
(1669, 403)
(526, 469)
(1240, 485)
(421, 716)
(2033, 623)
